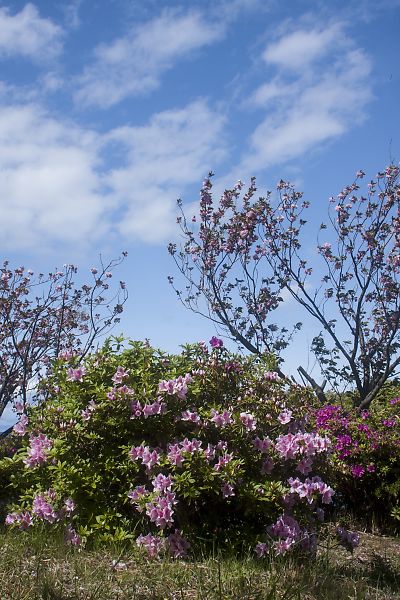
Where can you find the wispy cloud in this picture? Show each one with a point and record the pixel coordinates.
(27, 34)
(56, 189)
(175, 149)
(319, 89)
(71, 12)
(299, 49)
(132, 65)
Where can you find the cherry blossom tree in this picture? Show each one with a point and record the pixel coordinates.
(45, 316)
(240, 254)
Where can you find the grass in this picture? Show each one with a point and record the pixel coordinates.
(34, 566)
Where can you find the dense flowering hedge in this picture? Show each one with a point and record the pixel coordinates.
(169, 449)
(365, 458)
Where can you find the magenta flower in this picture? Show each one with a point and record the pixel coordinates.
(136, 496)
(160, 510)
(162, 483)
(136, 409)
(156, 408)
(223, 461)
(188, 415)
(216, 342)
(175, 455)
(69, 506)
(176, 386)
(262, 445)
(22, 519)
(191, 445)
(148, 457)
(357, 471)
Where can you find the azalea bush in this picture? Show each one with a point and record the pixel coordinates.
(169, 450)
(365, 458)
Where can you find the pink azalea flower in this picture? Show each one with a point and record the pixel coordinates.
(285, 416)
(21, 427)
(76, 374)
(119, 375)
(151, 543)
(72, 537)
(248, 420)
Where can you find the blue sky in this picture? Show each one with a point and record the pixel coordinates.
(112, 109)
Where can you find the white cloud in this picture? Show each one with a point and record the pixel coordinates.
(317, 105)
(56, 189)
(132, 65)
(28, 35)
(175, 149)
(49, 189)
(297, 50)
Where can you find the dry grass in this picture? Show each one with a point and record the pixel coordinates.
(34, 567)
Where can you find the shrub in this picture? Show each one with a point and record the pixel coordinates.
(169, 448)
(365, 462)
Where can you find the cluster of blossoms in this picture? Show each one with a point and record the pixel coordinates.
(120, 375)
(76, 374)
(309, 488)
(175, 544)
(192, 416)
(86, 414)
(158, 407)
(160, 503)
(177, 451)
(149, 457)
(176, 387)
(301, 445)
(44, 509)
(216, 342)
(249, 421)
(221, 419)
(21, 427)
(119, 392)
(38, 450)
(289, 534)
